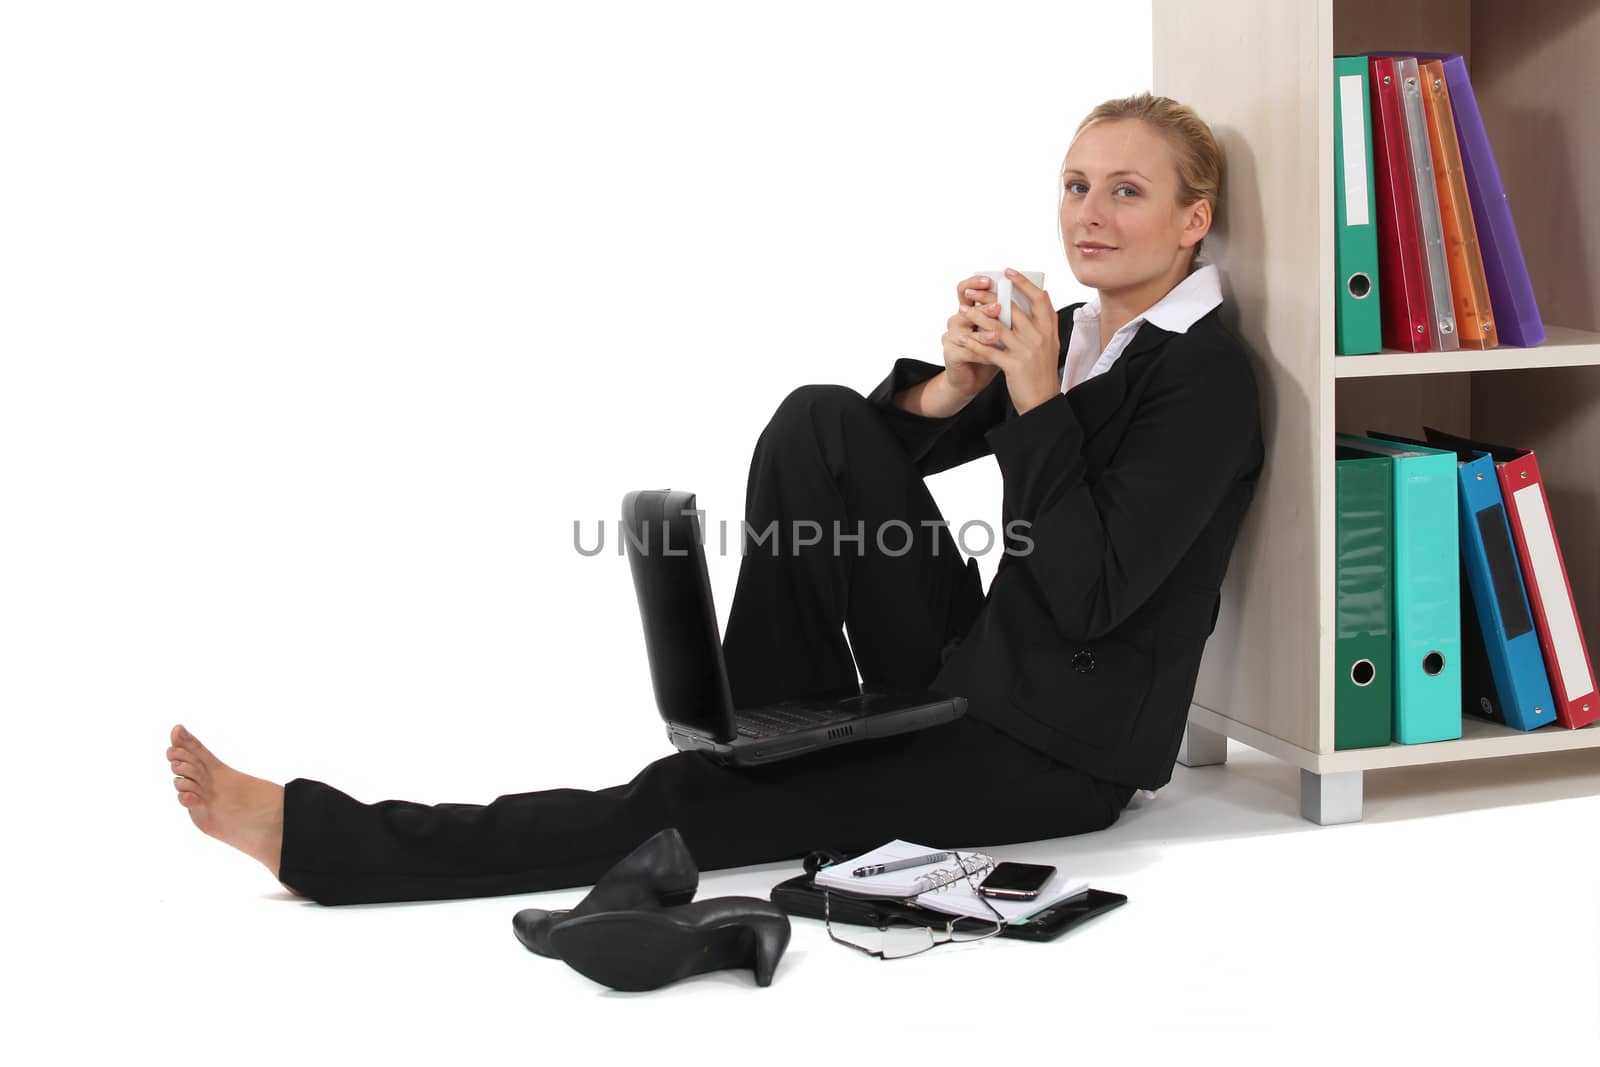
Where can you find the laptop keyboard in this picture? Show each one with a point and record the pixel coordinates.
(774, 722)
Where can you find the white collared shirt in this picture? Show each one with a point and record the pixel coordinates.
(1180, 309)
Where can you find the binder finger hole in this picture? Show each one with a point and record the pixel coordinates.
(1362, 672)
(1359, 285)
(1433, 664)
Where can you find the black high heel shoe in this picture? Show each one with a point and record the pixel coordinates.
(636, 951)
(659, 873)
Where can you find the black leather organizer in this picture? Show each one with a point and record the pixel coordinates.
(800, 896)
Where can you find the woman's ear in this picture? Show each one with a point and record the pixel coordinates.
(1197, 222)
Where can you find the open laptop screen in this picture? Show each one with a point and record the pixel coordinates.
(664, 543)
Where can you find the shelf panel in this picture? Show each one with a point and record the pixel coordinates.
(1563, 347)
(1480, 739)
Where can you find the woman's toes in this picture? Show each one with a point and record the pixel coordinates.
(191, 771)
(201, 763)
(186, 785)
(182, 738)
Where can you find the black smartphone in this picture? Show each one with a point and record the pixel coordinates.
(1016, 881)
(1062, 916)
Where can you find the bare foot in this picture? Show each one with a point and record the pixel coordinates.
(234, 808)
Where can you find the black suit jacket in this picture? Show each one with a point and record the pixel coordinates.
(1133, 487)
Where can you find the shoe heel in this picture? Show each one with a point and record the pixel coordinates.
(771, 937)
(635, 951)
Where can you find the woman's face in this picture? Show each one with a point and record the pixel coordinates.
(1121, 193)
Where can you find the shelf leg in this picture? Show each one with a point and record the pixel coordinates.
(1331, 798)
(1202, 747)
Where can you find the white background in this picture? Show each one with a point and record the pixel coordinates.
(323, 324)
(332, 319)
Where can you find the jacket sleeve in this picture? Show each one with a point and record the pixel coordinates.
(1099, 551)
(936, 444)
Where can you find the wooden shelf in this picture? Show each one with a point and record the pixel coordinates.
(1563, 347)
(1479, 739)
(1268, 675)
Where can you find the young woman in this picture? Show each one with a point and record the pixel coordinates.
(1128, 438)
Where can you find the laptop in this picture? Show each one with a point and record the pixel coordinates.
(663, 538)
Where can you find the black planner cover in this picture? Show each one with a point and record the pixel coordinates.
(799, 896)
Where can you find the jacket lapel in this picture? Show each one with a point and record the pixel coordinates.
(1096, 400)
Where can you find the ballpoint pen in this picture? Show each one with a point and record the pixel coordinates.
(899, 865)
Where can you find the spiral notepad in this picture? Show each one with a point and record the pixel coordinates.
(907, 883)
(945, 886)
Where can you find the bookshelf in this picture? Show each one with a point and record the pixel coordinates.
(1261, 73)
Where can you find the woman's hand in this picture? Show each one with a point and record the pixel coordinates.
(966, 372)
(1032, 346)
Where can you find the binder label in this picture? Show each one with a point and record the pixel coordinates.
(1553, 590)
(1352, 122)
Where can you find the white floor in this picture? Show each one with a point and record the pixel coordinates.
(1457, 920)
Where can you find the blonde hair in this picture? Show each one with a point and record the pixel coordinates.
(1195, 155)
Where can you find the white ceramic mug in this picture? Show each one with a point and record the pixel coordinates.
(1005, 292)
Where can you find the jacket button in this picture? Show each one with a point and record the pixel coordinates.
(1083, 661)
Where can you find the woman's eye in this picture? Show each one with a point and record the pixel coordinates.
(1074, 187)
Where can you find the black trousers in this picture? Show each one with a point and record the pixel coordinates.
(826, 458)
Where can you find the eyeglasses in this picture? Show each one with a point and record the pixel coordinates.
(902, 940)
